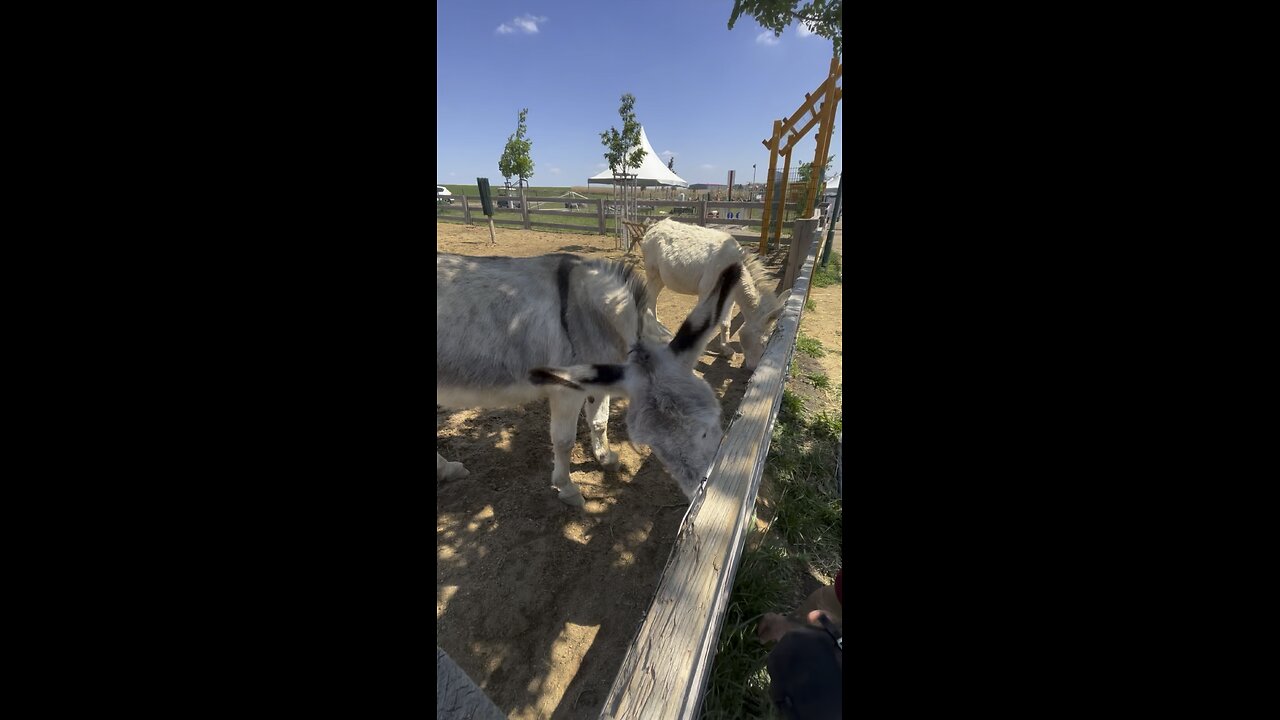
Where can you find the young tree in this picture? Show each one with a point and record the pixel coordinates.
(623, 152)
(515, 158)
(823, 17)
(805, 171)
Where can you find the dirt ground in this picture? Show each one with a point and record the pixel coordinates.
(535, 600)
(823, 323)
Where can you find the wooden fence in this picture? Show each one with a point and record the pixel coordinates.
(668, 664)
(599, 217)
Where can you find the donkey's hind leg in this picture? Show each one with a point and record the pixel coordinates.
(596, 411)
(446, 470)
(565, 405)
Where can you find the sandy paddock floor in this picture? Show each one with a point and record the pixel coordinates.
(535, 600)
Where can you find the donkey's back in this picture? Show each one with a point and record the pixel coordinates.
(688, 258)
(499, 317)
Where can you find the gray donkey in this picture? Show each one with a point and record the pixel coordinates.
(514, 330)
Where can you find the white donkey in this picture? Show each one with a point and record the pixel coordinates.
(689, 259)
(514, 330)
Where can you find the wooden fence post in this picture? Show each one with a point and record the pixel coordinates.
(466, 211)
(600, 213)
(702, 213)
(524, 208)
(801, 235)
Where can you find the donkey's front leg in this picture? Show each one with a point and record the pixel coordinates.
(446, 470)
(726, 329)
(564, 431)
(596, 411)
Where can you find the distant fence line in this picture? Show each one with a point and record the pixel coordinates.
(599, 215)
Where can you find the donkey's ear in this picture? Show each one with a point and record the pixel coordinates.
(609, 378)
(773, 316)
(705, 318)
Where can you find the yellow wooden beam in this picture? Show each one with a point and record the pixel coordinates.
(772, 144)
(825, 128)
(782, 205)
(812, 98)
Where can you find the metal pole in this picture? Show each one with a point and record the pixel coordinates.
(835, 213)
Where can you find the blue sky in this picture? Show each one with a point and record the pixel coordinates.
(703, 92)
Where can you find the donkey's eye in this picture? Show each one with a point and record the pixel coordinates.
(704, 434)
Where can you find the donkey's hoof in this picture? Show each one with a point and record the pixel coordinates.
(572, 496)
(610, 461)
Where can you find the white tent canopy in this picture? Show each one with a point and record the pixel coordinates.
(652, 170)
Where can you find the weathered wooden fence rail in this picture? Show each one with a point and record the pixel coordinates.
(601, 215)
(668, 664)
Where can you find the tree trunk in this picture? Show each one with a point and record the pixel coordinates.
(524, 206)
(617, 226)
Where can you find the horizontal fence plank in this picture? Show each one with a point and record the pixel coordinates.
(531, 199)
(592, 228)
(734, 221)
(746, 204)
(563, 213)
(667, 665)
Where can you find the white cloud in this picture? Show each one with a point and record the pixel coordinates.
(803, 30)
(602, 165)
(767, 38)
(453, 174)
(555, 171)
(668, 153)
(527, 24)
(707, 167)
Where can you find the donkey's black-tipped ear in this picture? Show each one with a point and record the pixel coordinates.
(581, 377)
(705, 318)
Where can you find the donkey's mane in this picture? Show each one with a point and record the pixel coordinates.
(625, 275)
(759, 290)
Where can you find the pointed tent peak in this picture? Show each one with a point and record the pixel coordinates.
(652, 171)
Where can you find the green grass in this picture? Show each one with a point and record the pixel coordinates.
(819, 380)
(802, 459)
(810, 346)
(830, 274)
(496, 189)
(792, 406)
(810, 304)
(825, 425)
(739, 686)
(805, 533)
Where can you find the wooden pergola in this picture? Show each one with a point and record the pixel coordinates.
(784, 139)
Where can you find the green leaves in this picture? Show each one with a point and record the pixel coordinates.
(620, 155)
(824, 17)
(515, 160)
(805, 171)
